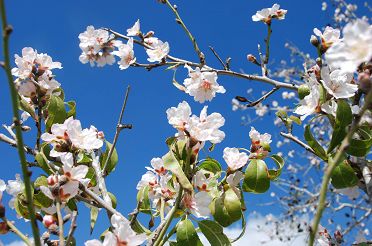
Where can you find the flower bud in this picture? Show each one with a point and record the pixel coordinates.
(3, 228)
(52, 180)
(2, 211)
(149, 34)
(303, 91)
(314, 41)
(251, 58)
(48, 220)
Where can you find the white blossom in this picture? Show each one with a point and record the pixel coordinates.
(157, 166)
(135, 29)
(13, 188)
(126, 54)
(329, 36)
(234, 158)
(259, 139)
(158, 51)
(338, 83)
(267, 14)
(202, 85)
(202, 183)
(310, 104)
(198, 204)
(179, 117)
(355, 47)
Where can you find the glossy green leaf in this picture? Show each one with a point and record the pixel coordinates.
(343, 176)
(360, 147)
(186, 234)
(214, 233)
(111, 164)
(344, 117)
(211, 165)
(56, 111)
(113, 199)
(42, 162)
(93, 218)
(72, 109)
(143, 197)
(256, 177)
(275, 173)
(313, 143)
(25, 106)
(171, 163)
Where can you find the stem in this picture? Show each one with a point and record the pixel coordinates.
(332, 164)
(21, 152)
(16, 231)
(39, 117)
(193, 40)
(72, 228)
(119, 127)
(60, 224)
(267, 41)
(164, 226)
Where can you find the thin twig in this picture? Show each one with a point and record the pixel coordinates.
(13, 143)
(16, 231)
(297, 141)
(72, 228)
(192, 38)
(7, 29)
(360, 220)
(60, 224)
(218, 58)
(261, 99)
(119, 127)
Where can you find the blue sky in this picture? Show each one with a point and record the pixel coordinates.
(225, 25)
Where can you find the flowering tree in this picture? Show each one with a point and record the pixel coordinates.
(183, 194)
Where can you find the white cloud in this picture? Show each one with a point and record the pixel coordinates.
(259, 232)
(15, 243)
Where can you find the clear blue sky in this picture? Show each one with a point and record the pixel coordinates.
(53, 28)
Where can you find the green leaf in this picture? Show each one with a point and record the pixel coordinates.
(40, 199)
(344, 117)
(256, 177)
(214, 233)
(186, 234)
(83, 158)
(56, 111)
(295, 119)
(171, 163)
(92, 176)
(25, 106)
(111, 164)
(72, 109)
(143, 197)
(21, 207)
(211, 165)
(219, 212)
(318, 149)
(360, 147)
(93, 218)
(343, 176)
(113, 199)
(41, 181)
(274, 174)
(42, 160)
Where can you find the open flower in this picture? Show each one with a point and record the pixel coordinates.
(135, 29)
(355, 47)
(267, 14)
(157, 166)
(234, 158)
(179, 117)
(206, 127)
(202, 183)
(234, 180)
(126, 54)
(2, 188)
(69, 135)
(198, 204)
(122, 234)
(202, 85)
(310, 103)
(338, 83)
(13, 188)
(328, 37)
(159, 51)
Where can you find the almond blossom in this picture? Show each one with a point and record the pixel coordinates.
(206, 127)
(70, 135)
(234, 158)
(158, 51)
(179, 117)
(234, 180)
(126, 54)
(122, 234)
(135, 30)
(97, 46)
(198, 204)
(310, 103)
(2, 188)
(353, 49)
(202, 85)
(338, 83)
(259, 139)
(328, 37)
(202, 183)
(267, 14)
(157, 166)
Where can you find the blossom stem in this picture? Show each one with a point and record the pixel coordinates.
(332, 164)
(16, 231)
(192, 38)
(7, 29)
(267, 41)
(164, 226)
(72, 228)
(60, 224)
(39, 118)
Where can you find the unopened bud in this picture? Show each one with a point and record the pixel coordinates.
(100, 135)
(314, 41)
(303, 91)
(4, 229)
(251, 58)
(48, 220)
(52, 180)
(149, 34)
(151, 222)
(2, 211)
